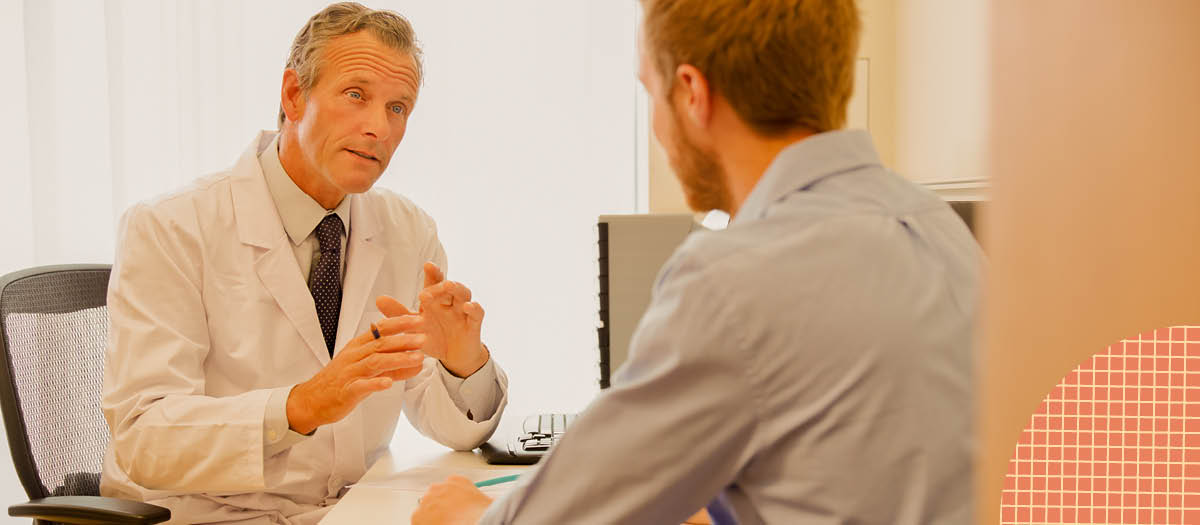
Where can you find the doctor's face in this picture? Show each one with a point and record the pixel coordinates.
(354, 117)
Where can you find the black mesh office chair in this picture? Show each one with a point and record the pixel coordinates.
(54, 323)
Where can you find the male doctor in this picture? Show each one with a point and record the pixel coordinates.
(245, 380)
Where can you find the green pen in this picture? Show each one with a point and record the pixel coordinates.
(496, 481)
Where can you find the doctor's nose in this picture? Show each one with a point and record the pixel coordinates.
(375, 125)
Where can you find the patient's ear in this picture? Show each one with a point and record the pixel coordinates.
(693, 97)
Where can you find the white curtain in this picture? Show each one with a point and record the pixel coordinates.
(524, 132)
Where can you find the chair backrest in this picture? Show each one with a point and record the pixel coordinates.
(54, 327)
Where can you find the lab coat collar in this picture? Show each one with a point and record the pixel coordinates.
(252, 201)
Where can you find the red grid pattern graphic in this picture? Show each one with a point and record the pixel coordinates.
(1116, 441)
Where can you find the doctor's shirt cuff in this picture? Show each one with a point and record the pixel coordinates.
(277, 435)
(477, 395)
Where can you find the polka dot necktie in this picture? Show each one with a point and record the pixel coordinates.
(325, 283)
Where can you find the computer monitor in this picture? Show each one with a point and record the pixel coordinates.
(632, 249)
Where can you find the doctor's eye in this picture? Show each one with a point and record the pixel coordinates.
(399, 109)
(354, 95)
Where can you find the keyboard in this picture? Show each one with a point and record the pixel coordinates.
(538, 435)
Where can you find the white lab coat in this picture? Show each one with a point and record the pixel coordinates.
(210, 315)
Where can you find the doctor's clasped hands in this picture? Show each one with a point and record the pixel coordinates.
(447, 328)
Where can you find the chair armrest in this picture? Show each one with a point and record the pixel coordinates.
(91, 509)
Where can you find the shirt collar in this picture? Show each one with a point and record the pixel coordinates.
(299, 212)
(806, 162)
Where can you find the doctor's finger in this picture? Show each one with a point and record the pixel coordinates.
(443, 310)
(438, 300)
(388, 326)
(428, 299)
(402, 373)
(385, 344)
(458, 291)
(363, 387)
(399, 325)
(400, 343)
(455, 289)
(382, 363)
(474, 312)
(433, 274)
(354, 347)
(390, 306)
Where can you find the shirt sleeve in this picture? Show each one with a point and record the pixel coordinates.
(278, 436)
(437, 406)
(477, 395)
(673, 430)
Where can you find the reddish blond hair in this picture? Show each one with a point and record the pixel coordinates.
(781, 64)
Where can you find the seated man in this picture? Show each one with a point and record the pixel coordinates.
(812, 362)
(246, 381)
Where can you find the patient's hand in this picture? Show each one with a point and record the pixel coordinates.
(699, 518)
(455, 501)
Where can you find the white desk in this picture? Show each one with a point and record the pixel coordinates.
(369, 504)
(372, 504)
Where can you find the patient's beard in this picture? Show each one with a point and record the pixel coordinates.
(703, 179)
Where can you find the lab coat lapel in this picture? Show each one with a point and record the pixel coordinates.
(280, 274)
(259, 225)
(364, 258)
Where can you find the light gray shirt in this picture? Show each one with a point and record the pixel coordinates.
(476, 396)
(812, 361)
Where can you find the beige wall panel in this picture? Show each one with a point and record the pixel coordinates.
(1094, 228)
(878, 45)
(940, 92)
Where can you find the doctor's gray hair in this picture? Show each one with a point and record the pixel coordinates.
(343, 18)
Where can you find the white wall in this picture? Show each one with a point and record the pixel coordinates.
(17, 209)
(523, 141)
(523, 134)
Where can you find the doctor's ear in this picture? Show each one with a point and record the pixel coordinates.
(291, 96)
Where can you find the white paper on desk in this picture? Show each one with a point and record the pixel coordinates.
(420, 478)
